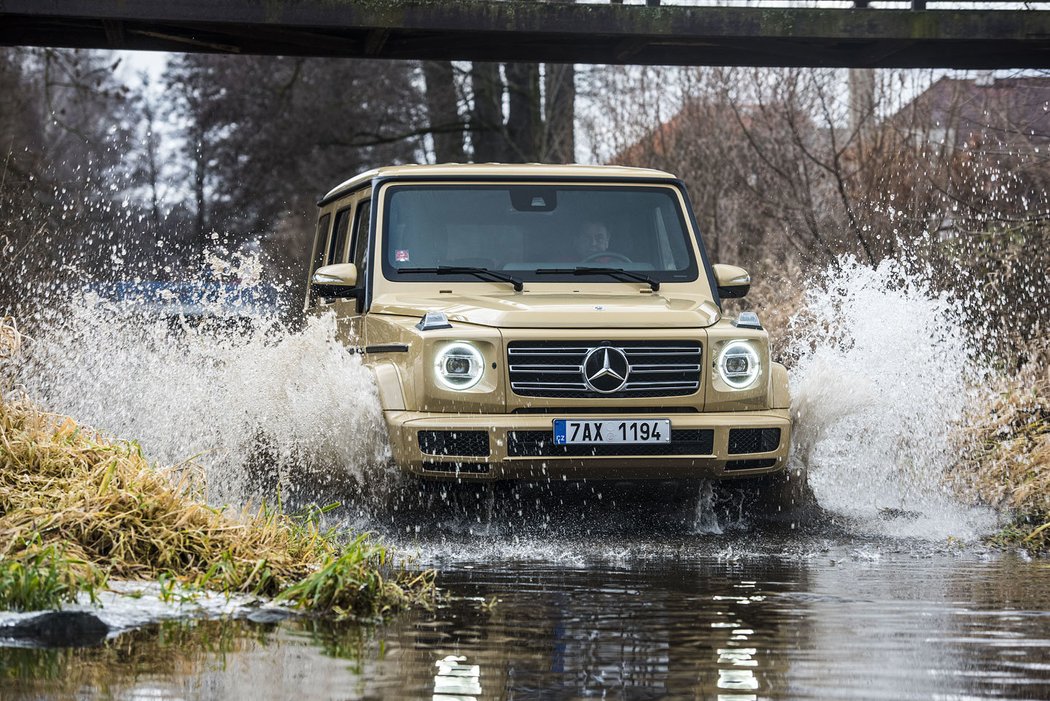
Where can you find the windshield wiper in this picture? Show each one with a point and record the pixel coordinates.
(612, 272)
(483, 273)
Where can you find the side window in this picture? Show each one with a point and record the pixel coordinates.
(320, 239)
(364, 211)
(337, 245)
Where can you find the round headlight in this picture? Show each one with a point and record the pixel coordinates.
(739, 364)
(459, 366)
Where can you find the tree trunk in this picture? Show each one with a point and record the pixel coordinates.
(523, 118)
(560, 113)
(443, 111)
(486, 119)
(152, 169)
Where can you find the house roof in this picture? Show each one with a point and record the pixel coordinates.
(1001, 109)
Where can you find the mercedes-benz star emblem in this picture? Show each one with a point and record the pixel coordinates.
(605, 369)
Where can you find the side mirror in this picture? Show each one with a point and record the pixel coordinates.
(339, 280)
(733, 282)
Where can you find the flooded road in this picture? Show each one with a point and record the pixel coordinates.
(733, 617)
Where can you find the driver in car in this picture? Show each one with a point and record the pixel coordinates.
(591, 244)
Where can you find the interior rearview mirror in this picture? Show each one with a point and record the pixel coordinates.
(339, 280)
(733, 282)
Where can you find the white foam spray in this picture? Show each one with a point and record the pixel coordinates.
(884, 371)
(251, 401)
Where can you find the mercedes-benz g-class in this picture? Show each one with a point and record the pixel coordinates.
(547, 322)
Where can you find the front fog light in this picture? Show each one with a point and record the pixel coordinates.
(739, 365)
(459, 366)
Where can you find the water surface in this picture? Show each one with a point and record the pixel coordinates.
(744, 616)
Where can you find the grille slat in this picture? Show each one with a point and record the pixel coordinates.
(544, 351)
(658, 369)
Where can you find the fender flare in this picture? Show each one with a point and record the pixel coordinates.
(388, 382)
(781, 394)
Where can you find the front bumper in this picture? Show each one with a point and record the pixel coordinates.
(701, 447)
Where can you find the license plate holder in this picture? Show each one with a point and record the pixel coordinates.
(611, 431)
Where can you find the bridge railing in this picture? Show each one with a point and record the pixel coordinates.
(884, 33)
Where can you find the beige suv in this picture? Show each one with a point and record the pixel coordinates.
(547, 322)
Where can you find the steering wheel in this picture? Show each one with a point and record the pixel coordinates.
(607, 257)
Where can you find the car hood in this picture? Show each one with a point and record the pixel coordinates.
(537, 310)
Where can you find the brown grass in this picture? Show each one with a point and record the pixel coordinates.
(10, 338)
(105, 508)
(1005, 455)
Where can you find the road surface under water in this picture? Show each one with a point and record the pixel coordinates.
(533, 611)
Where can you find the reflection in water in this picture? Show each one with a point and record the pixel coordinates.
(456, 681)
(819, 621)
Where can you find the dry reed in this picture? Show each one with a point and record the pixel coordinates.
(1005, 456)
(100, 506)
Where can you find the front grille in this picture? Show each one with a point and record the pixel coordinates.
(472, 443)
(539, 444)
(753, 440)
(555, 368)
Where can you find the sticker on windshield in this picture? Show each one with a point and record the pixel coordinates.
(401, 255)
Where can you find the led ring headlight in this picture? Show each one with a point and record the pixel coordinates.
(739, 365)
(459, 366)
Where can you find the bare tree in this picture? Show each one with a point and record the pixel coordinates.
(559, 113)
(64, 138)
(446, 125)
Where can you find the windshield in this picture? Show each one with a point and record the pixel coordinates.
(529, 229)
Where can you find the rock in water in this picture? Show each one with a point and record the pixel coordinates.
(59, 629)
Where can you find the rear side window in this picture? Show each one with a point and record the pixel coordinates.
(337, 246)
(319, 242)
(364, 211)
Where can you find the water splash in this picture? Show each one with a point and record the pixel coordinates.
(885, 369)
(706, 519)
(222, 381)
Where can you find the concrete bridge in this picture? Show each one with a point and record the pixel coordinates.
(916, 34)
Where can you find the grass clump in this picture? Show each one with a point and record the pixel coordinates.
(44, 577)
(353, 583)
(1006, 458)
(77, 507)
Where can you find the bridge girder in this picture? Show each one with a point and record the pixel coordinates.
(493, 30)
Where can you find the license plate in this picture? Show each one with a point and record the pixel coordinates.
(611, 431)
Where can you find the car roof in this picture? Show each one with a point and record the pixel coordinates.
(501, 170)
